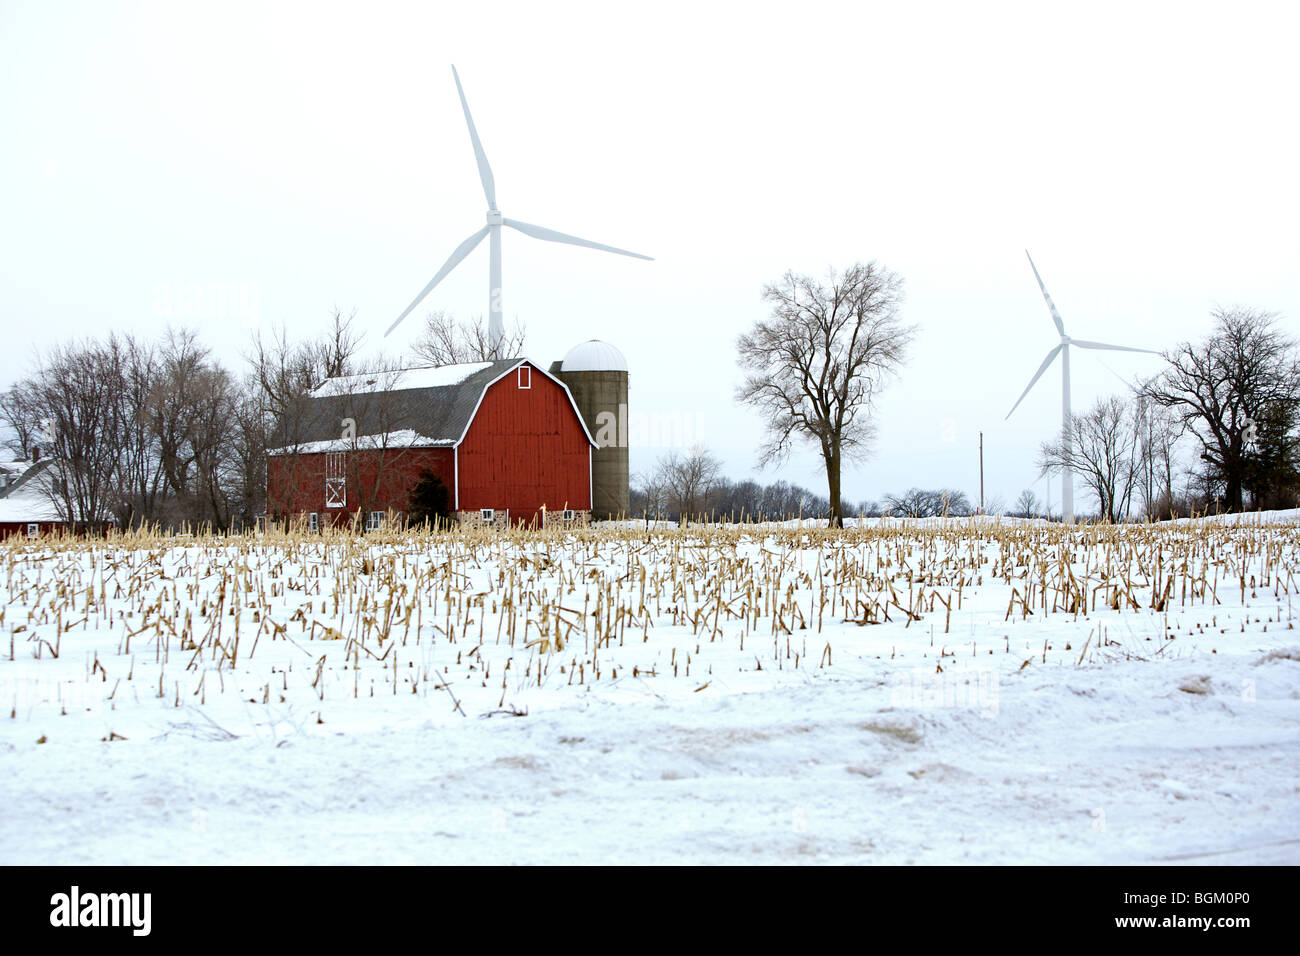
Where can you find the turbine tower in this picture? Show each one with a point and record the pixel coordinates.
(495, 220)
(1067, 476)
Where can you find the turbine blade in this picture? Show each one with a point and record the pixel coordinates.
(550, 235)
(1056, 316)
(1037, 375)
(1138, 386)
(484, 170)
(464, 249)
(1102, 345)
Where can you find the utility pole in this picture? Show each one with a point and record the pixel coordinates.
(981, 472)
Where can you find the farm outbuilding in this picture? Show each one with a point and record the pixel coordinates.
(26, 505)
(504, 438)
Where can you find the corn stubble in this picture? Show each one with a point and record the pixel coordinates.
(341, 615)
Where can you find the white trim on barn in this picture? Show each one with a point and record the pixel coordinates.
(534, 367)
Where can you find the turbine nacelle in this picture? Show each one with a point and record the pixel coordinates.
(494, 217)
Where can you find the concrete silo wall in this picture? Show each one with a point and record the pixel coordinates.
(601, 398)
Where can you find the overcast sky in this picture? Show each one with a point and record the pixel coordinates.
(314, 156)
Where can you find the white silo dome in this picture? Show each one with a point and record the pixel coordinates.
(594, 356)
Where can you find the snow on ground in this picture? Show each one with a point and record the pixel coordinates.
(682, 696)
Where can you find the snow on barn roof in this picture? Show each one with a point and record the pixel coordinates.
(27, 496)
(404, 408)
(16, 467)
(434, 376)
(402, 438)
(28, 504)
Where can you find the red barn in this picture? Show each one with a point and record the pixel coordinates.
(504, 437)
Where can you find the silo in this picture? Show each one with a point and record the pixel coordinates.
(596, 374)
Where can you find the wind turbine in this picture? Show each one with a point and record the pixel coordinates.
(496, 328)
(1067, 476)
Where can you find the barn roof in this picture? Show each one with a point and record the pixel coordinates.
(26, 496)
(405, 379)
(403, 408)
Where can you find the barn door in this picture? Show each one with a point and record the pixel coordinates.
(336, 480)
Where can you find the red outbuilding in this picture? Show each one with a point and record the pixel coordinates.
(505, 438)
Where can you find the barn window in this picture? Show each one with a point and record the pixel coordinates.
(488, 514)
(525, 377)
(313, 521)
(336, 482)
(33, 530)
(375, 521)
(568, 514)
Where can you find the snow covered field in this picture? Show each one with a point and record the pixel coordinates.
(929, 692)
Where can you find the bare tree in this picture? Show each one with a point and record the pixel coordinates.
(98, 399)
(189, 436)
(688, 480)
(140, 486)
(1100, 446)
(18, 411)
(284, 375)
(285, 372)
(248, 458)
(1026, 505)
(1246, 371)
(816, 364)
(650, 494)
(172, 405)
(212, 440)
(77, 392)
(382, 414)
(331, 354)
(447, 341)
(1159, 432)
